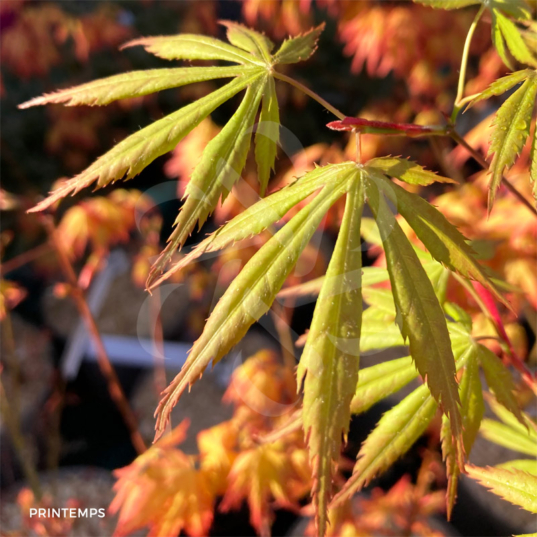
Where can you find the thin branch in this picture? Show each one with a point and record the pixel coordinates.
(25, 257)
(12, 424)
(310, 93)
(485, 165)
(114, 387)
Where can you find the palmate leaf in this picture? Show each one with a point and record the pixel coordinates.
(331, 357)
(421, 317)
(500, 381)
(517, 435)
(257, 44)
(448, 4)
(193, 47)
(515, 486)
(132, 155)
(407, 171)
(219, 168)
(135, 84)
(500, 86)
(511, 124)
(264, 213)
(267, 135)
(506, 436)
(472, 410)
(524, 465)
(224, 158)
(504, 30)
(533, 165)
(380, 381)
(395, 433)
(443, 241)
(300, 48)
(249, 297)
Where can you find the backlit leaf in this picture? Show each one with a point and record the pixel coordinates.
(192, 47)
(533, 165)
(264, 213)
(448, 4)
(500, 381)
(331, 357)
(220, 167)
(262, 475)
(524, 465)
(134, 84)
(444, 242)
(380, 381)
(407, 171)
(257, 44)
(527, 427)
(422, 318)
(508, 437)
(516, 45)
(498, 41)
(267, 135)
(500, 86)
(395, 433)
(515, 486)
(472, 410)
(248, 297)
(511, 128)
(377, 334)
(132, 155)
(300, 48)
(370, 276)
(519, 9)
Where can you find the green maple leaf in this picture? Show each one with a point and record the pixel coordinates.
(225, 156)
(511, 126)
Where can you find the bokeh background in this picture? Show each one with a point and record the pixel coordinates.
(379, 60)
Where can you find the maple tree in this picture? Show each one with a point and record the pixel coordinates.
(425, 263)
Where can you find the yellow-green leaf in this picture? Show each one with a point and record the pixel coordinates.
(516, 45)
(248, 297)
(527, 427)
(472, 410)
(511, 129)
(395, 433)
(132, 155)
(506, 436)
(134, 84)
(331, 357)
(193, 47)
(422, 319)
(247, 39)
(519, 9)
(218, 170)
(407, 171)
(267, 135)
(263, 214)
(515, 486)
(448, 4)
(380, 381)
(500, 381)
(379, 334)
(524, 465)
(498, 40)
(533, 165)
(299, 48)
(443, 240)
(500, 86)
